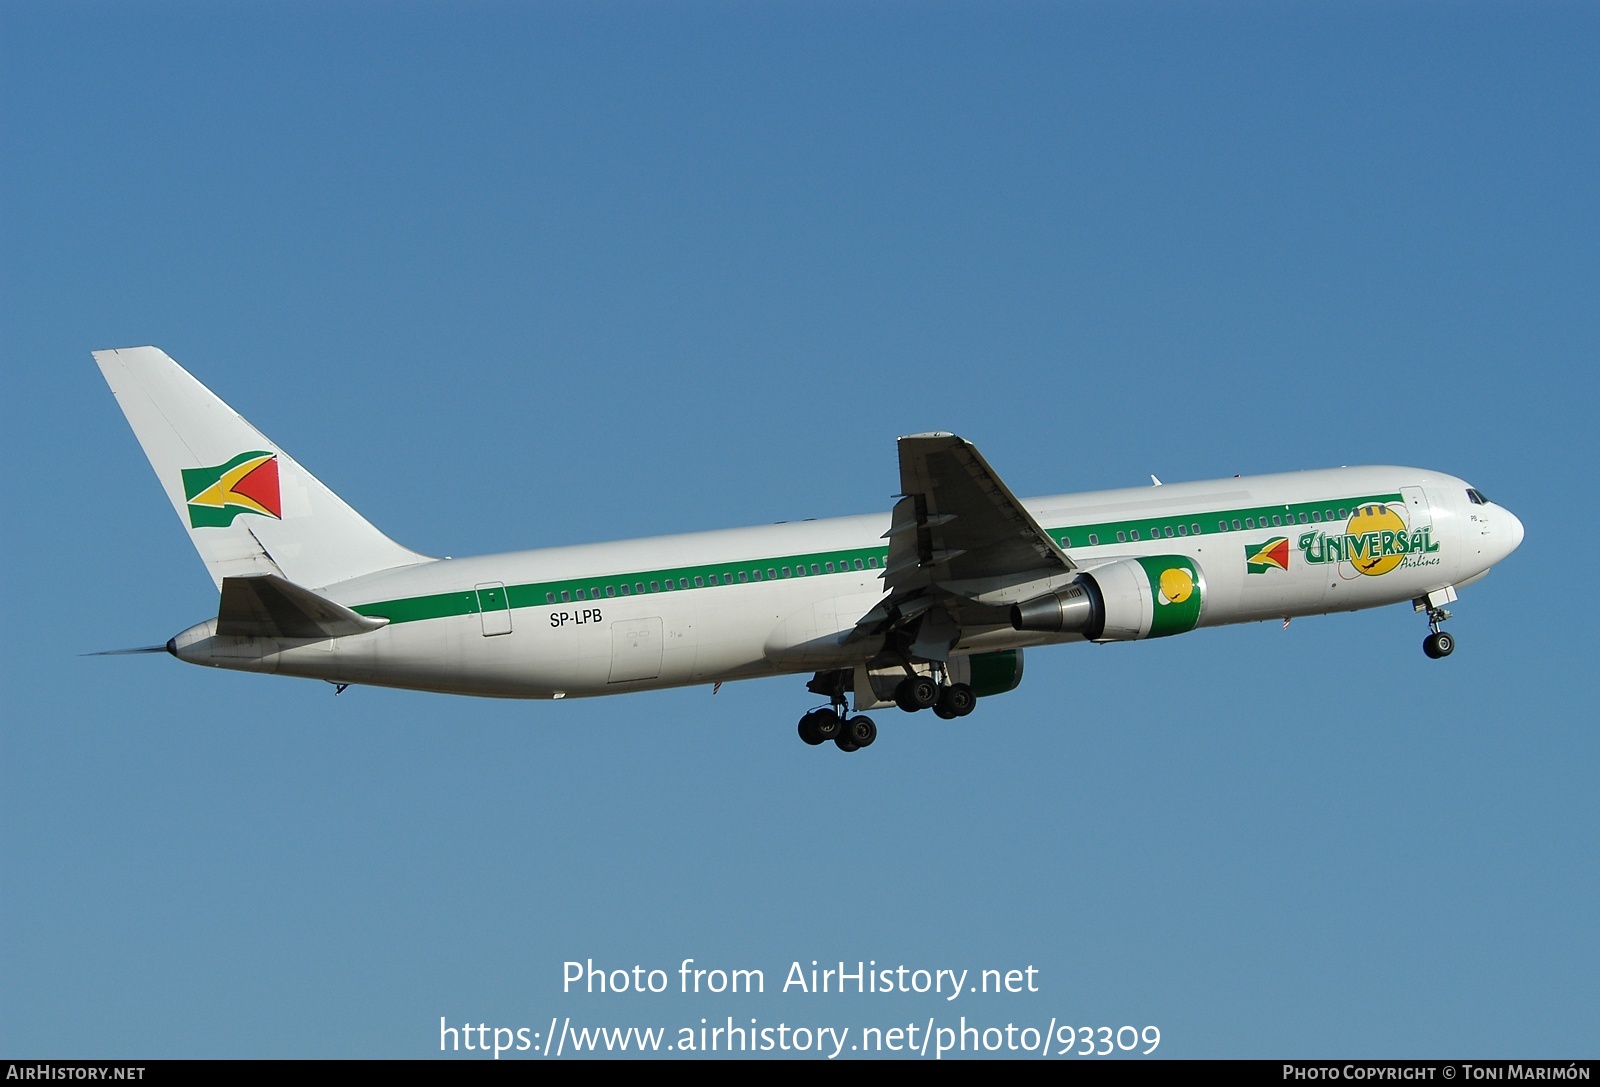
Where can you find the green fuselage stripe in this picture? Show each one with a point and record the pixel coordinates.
(824, 563)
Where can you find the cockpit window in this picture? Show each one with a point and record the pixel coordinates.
(1475, 496)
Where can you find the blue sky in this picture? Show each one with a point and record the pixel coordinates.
(509, 276)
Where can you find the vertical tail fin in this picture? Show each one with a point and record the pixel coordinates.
(249, 506)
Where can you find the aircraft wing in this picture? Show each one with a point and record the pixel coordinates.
(962, 549)
(959, 522)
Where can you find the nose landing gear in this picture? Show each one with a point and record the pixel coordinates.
(1437, 644)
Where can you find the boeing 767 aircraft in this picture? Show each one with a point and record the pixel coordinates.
(928, 605)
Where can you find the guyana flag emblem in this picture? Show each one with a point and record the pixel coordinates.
(246, 484)
(1272, 555)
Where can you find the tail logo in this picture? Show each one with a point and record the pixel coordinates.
(246, 484)
(1272, 555)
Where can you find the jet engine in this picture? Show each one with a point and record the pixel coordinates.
(996, 672)
(1146, 597)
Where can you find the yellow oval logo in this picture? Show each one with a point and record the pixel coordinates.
(1371, 522)
(1177, 585)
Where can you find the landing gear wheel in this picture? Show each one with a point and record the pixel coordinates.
(845, 743)
(956, 700)
(820, 726)
(916, 693)
(808, 730)
(1438, 644)
(860, 731)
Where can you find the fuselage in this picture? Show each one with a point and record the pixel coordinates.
(739, 603)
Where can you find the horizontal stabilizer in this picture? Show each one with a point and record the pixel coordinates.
(267, 606)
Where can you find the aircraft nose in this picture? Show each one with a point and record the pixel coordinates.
(1513, 531)
(1509, 538)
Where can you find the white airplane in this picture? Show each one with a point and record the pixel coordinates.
(927, 606)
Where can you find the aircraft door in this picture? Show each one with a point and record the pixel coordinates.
(635, 649)
(494, 609)
(1418, 513)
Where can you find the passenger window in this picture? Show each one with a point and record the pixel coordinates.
(872, 561)
(758, 575)
(1249, 522)
(1122, 537)
(830, 567)
(771, 573)
(1183, 530)
(655, 586)
(1343, 513)
(1316, 516)
(1277, 519)
(699, 582)
(549, 598)
(580, 594)
(1134, 533)
(1066, 541)
(1169, 531)
(1222, 526)
(744, 575)
(626, 588)
(800, 571)
(683, 583)
(638, 586)
(815, 569)
(1094, 538)
(1236, 524)
(858, 564)
(1195, 529)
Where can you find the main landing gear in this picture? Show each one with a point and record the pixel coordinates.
(853, 732)
(948, 701)
(833, 723)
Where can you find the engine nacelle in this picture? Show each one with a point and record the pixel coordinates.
(995, 673)
(1147, 597)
